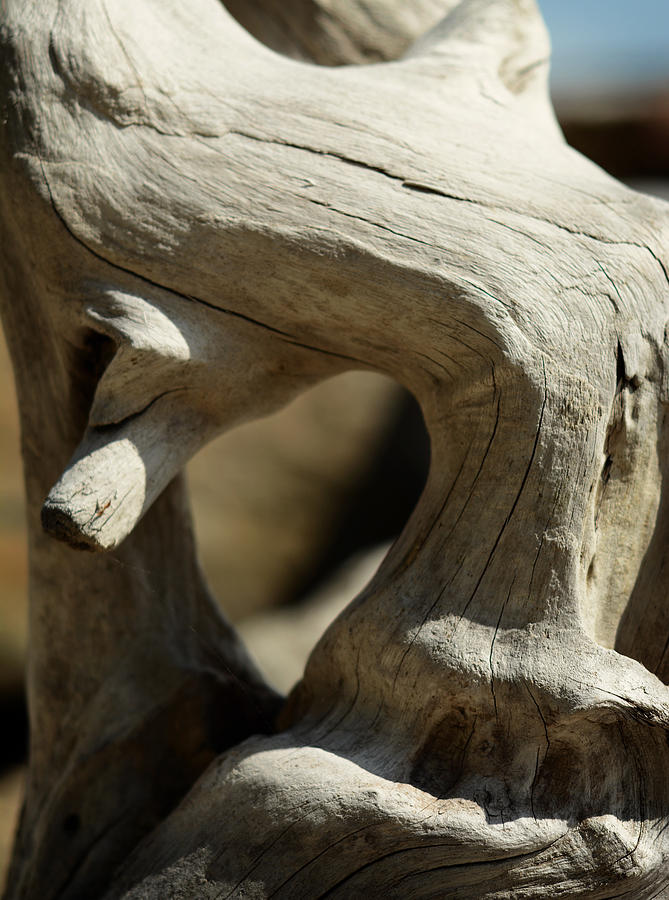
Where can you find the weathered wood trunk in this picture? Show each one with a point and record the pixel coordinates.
(195, 229)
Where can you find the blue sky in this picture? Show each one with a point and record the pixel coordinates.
(608, 42)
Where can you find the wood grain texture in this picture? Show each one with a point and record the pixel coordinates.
(195, 229)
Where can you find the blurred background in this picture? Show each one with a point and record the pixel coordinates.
(294, 513)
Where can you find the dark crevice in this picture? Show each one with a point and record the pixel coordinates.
(620, 368)
(104, 427)
(423, 188)
(71, 824)
(624, 381)
(606, 470)
(534, 783)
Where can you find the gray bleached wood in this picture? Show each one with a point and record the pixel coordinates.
(129, 642)
(223, 227)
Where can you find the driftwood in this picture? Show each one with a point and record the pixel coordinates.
(195, 229)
